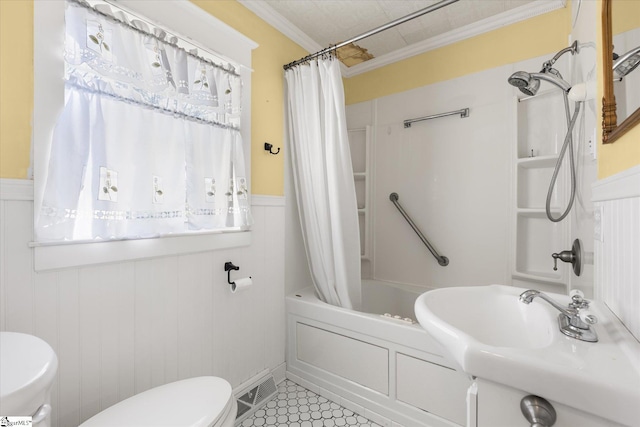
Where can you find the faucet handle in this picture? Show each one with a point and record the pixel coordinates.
(577, 300)
(576, 295)
(587, 317)
(573, 257)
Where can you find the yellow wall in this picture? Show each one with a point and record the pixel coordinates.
(16, 86)
(267, 90)
(626, 15)
(16, 90)
(623, 153)
(509, 44)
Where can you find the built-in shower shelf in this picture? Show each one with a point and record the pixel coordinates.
(359, 145)
(538, 162)
(534, 156)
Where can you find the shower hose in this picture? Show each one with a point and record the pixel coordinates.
(568, 142)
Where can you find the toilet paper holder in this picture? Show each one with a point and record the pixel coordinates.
(228, 266)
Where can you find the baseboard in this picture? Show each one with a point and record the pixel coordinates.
(279, 372)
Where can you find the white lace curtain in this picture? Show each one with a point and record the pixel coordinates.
(148, 143)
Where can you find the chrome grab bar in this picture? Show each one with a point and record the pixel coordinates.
(463, 114)
(442, 260)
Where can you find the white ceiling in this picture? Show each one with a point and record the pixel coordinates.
(317, 24)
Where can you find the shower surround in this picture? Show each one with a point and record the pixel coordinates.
(456, 178)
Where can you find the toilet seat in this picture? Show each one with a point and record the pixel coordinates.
(28, 366)
(194, 402)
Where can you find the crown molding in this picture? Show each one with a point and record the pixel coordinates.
(539, 7)
(280, 23)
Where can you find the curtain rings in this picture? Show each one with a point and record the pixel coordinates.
(333, 53)
(328, 53)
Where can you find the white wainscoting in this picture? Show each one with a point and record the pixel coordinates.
(617, 245)
(121, 328)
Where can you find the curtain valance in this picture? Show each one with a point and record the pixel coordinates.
(112, 53)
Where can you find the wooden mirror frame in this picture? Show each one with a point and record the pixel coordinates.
(611, 132)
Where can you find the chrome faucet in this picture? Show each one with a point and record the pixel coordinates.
(575, 320)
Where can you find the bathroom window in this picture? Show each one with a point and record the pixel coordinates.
(141, 134)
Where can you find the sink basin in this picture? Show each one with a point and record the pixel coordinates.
(490, 315)
(493, 336)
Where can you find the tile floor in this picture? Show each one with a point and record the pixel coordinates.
(295, 406)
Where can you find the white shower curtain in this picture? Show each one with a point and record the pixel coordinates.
(323, 178)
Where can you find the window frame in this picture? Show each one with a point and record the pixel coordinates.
(183, 18)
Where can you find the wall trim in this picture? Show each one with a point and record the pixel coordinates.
(260, 200)
(530, 10)
(623, 185)
(16, 189)
(280, 23)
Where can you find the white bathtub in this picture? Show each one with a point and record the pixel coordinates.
(387, 369)
(390, 298)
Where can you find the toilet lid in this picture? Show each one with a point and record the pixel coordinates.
(194, 402)
(28, 367)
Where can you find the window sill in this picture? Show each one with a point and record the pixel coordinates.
(66, 255)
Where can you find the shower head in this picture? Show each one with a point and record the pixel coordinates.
(627, 63)
(523, 81)
(529, 83)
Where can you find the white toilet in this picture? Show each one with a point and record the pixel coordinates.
(28, 366)
(194, 402)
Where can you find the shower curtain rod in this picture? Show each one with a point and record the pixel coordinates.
(377, 30)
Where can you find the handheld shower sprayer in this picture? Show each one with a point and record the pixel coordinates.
(529, 83)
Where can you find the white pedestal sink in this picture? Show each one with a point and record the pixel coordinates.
(493, 335)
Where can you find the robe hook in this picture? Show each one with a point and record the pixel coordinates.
(268, 147)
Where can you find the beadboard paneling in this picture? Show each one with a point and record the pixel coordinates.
(617, 246)
(122, 328)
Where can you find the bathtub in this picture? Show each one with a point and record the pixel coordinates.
(377, 362)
